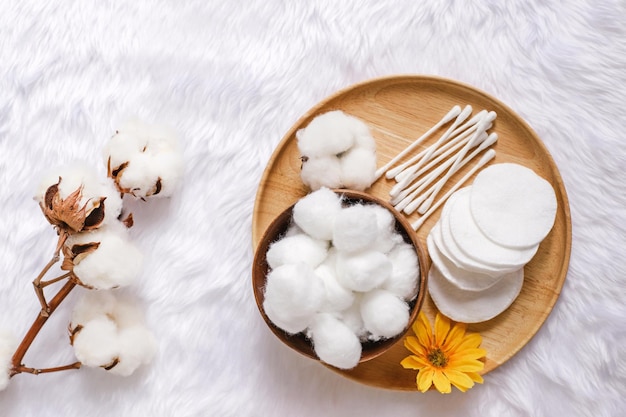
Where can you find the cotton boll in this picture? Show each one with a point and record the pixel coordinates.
(137, 178)
(295, 249)
(337, 297)
(355, 229)
(384, 314)
(330, 133)
(109, 332)
(96, 343)
(115, 261)
(358, 168)
(363, 271)
(137, 346)
(316, 213)
(323, 171)
(8, 345)
(334, 343)
(293, 294)
(404, 278)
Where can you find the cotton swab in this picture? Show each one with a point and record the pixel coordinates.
(460, 119)
(408, 194)
(465, 127)
(454, 112)
(455, 166)
(410, 207)
(488, 156)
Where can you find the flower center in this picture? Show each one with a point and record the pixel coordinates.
(437, 358)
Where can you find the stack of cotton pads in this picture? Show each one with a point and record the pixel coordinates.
(341, 274)
(485, 236)
(337, 151)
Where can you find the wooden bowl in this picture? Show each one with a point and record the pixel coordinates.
(299, 342)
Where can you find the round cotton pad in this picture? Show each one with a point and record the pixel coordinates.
(475, 244)
(473, 306)
(461, 278)
(512, 205)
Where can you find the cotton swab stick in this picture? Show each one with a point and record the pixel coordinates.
(457, 160)
(467, 126)
(488, 156)
(412, 205)
(408, 194)
(441, 153)
(454, 112)
(460, 118)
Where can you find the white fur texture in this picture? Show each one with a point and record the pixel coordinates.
(232, 78)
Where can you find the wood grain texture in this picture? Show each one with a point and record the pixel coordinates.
(407, 106)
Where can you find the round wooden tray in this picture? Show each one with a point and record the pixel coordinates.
(399, 109)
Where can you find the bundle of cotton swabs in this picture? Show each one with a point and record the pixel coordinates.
(421, 178)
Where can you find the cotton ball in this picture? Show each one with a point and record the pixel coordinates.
(386, 237)
(351, 317)
(358, 168)
(337, 297)
(8, 344)
(405, 274)
(384, 314)
(330, 133)
(293, 230)
(293, 294)
(355, 228)
(296, 248)
(323, 171)
(363, 271)
(334, 343)
(316, 212)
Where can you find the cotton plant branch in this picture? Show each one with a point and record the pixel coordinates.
(96, 251)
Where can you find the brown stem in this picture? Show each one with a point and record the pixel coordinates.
(45, 308)
(44, 284)
(40, 320)
(37, 371)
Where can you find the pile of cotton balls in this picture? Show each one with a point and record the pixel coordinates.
(338, 151)
(342, 274)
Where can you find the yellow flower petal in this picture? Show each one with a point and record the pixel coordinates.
(425, 379)
(476, 353)
(459, 379)
(442, 383)
(413, 344)
(423, 331)
(442, 327)
(472, 340)
(413, 362)
(475, 377)
(466, 365)
(455, 337)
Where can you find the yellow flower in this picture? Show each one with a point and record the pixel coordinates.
(447, 357)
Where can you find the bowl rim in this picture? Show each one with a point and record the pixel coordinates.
(299, 342)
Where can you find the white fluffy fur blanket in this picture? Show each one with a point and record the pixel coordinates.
(232, 77)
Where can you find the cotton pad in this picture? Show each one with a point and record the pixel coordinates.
(293, 294)
(473, 306)
(315, 213)
(461, 278)
(297, 248)
(334, 343)
(355, 228)
(363, 271)
(512, 205)
(472, 242)
(404, 279)
(384, 314)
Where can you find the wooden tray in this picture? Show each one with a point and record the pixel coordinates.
(402, 107)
